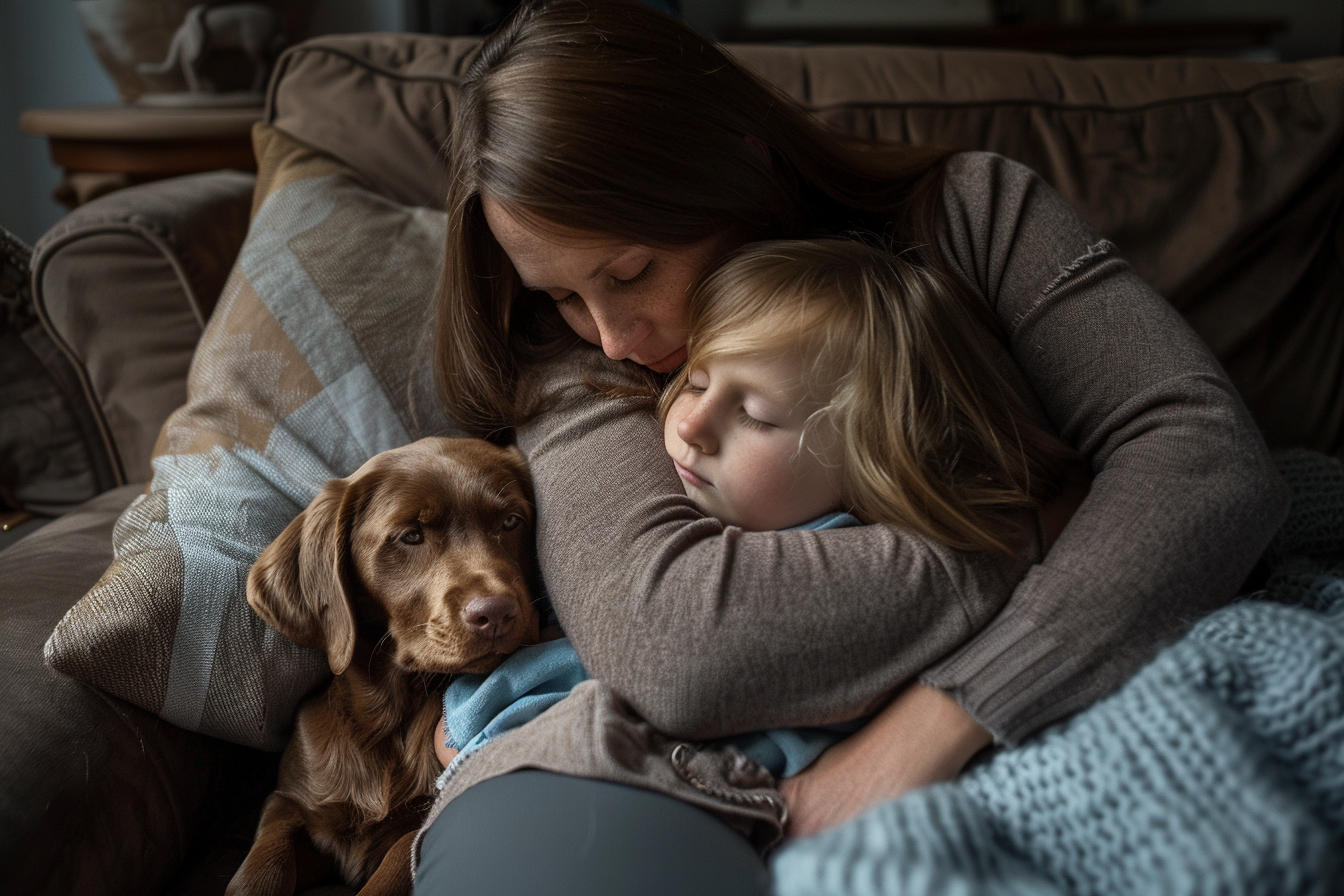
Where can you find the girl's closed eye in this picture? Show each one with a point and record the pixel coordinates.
(751, 422)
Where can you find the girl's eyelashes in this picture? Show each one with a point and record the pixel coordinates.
(565, 300)
(751, 422)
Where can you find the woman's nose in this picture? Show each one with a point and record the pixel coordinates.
(696, 429)
(620, 334)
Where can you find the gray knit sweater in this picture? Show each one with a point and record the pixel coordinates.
(697, 630)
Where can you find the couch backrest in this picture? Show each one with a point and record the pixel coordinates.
(1171, 158)
(1221, 180)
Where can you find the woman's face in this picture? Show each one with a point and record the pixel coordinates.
(628, 298)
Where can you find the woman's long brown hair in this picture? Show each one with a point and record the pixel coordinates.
(607, 116)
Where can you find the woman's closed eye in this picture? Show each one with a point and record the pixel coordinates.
(615, 282)
(621, 282)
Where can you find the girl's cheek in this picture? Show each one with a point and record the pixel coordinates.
(777, 471)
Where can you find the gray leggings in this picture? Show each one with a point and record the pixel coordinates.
(534, 832)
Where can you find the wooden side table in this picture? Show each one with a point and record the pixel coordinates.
(105, 148)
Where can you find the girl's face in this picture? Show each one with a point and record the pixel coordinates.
(737, 437)
(628, 298)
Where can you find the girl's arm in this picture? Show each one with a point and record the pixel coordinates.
(708, 630)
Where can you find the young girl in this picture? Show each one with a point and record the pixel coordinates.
(829, 375)
(827, 383)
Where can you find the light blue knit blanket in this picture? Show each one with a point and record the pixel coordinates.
(1218, 769)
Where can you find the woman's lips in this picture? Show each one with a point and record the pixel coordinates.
(669, 363)
(690, 477)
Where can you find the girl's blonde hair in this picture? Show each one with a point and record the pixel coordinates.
(609, 117)
(934, 438)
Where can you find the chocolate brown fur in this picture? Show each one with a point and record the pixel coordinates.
(416, 566)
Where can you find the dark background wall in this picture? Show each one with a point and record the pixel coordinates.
(46, 62)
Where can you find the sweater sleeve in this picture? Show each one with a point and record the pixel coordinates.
(709, 630)
(1185, 496)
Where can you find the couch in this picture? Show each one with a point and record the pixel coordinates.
(1221, 180)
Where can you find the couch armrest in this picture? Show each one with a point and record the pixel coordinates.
(96, 796)
(125, 284)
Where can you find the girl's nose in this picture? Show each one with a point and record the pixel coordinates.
(696, 428)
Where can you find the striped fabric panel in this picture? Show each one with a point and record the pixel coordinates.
(305, 371)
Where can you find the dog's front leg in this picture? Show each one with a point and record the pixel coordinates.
(282, 858)
(393, 877)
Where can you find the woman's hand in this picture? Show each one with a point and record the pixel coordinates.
(921, 738)
(444, 752)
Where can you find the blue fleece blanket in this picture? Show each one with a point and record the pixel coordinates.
(1218, 769)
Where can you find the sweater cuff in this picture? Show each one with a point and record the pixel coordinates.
(1014, 678)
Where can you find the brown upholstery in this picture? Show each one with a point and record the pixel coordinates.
(126, 284)
(92, 785)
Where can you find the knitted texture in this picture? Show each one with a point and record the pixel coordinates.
(1218, 769)
(1315, 527)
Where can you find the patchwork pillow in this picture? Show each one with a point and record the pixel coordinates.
(316, 358)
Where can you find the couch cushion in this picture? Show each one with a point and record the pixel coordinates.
(311, 363)
(1220, 179)
(125, 285)
(99, 797)
(381, 103)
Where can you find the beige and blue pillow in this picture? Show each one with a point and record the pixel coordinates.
(316, 358)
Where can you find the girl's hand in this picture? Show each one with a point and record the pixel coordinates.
(921, 738)
(444, 753)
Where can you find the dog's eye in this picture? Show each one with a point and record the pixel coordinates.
(512, 522)
(414, 536)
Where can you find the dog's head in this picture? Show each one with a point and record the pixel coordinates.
(425, 552)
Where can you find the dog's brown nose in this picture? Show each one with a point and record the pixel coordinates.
(490, 616)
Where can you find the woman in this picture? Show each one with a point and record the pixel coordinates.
(603, 158)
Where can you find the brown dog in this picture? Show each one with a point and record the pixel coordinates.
(415, 566)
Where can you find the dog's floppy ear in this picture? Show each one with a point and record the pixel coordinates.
(298, 584)
(518, 461)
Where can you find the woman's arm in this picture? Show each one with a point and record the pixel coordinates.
(920, 738)
(708, 630)
(1184, 496)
